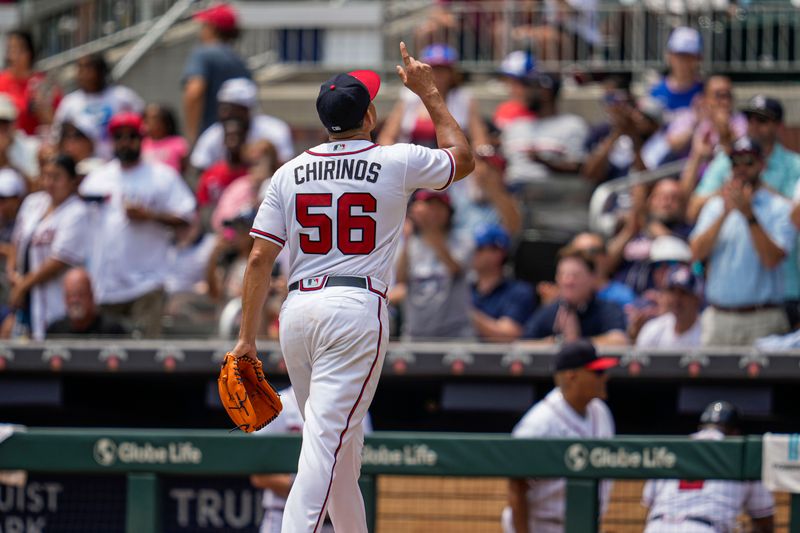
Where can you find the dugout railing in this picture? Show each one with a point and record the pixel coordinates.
(145, 456)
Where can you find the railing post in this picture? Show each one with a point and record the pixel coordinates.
(369, 491)
(143, 505)
(582, 506)
(794, 514)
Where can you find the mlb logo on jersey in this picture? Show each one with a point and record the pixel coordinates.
(338, 147)
(313, 284)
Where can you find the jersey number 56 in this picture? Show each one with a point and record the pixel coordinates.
(345, 222)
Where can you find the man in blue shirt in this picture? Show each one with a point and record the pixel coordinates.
(781, 174)
(210, 65)
(577, 312)
(501, 305)
(744, 234)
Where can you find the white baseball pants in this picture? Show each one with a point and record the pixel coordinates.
(334, 341)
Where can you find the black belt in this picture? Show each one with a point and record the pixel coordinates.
(698, 519)
(337, 281)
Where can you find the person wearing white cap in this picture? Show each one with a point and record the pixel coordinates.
(17, 150)
(683, 83)
(12, 191)
(237, 99)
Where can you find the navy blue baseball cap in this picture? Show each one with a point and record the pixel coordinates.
(581, 354)
(344, 99)
(519, 65)
(764, 106)
(492, 235)
(681, 278)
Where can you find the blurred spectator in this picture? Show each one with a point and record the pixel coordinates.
(162, 142)
(609, 290)
(432, 268)
(141, 203)
(577, 312)
(409, 121)
(187, 260)
(50, 236)
(12, 191)
(485, 198)
(569, 26)
(574, 409)
(228, 260)
(17, 150)
(710, 504)
(82, 316)
(222, 173)
(661, 214)
(515, 70)
(683, 82)
(27, 89)
(634, 142)
(238, 100)
(709, 123)
(549, 145)
(211, 64)
(96, 100)
(78, 137)
(781, 174)
(744, 234)
(247, 191)
(679, 327)
(502, 306)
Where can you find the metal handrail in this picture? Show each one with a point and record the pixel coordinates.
(153, 35)
(603, 192)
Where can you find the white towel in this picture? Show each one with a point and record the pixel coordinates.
(780, 462)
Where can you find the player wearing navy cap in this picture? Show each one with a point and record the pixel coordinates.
(339, 208)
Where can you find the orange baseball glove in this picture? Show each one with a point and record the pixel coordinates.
(250, 400)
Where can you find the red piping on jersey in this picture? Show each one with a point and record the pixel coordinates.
(452, 170)
(347, 424)
(268, 235)
(342, 153)
(373, 289)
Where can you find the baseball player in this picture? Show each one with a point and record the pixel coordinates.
(574, 409)
(708, 506)
(276, 486)
(339, 208)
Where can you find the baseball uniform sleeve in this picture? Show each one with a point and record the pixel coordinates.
(70, 242)
(760, 502)
(428, 168)
(270, 223)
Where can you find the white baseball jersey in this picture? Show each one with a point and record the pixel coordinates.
(129, 258)
(61, 235)
(289, 421)
(340, 206)
(671, 501)
(553, 417)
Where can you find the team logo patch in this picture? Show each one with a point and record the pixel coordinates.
(312, 284)
(338, 147)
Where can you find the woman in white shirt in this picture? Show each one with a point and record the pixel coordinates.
(49, 237)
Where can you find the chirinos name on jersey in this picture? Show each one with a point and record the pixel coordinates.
(338, 169)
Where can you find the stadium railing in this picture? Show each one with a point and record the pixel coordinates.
(144, 456)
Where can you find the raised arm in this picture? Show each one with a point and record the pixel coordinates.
(418, 77)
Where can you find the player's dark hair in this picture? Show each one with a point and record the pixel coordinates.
(27, 41)
(66, 163)
(570, 252)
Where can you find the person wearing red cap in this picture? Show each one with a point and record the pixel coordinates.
(141, 203)
(574, 409)
(339, 208)
(209, 66)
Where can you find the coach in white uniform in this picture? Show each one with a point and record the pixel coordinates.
(339, 208)
(276, 486)
(574, 409)
(708, 506)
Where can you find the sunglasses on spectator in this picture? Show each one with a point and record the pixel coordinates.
(723, 95)
(761, 119)
(126, 136)
(746, 160)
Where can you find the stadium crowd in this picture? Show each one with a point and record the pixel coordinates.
(112, 217)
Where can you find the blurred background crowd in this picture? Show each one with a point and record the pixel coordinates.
(117, 218)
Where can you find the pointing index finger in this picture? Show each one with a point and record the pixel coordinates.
(404, 53)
